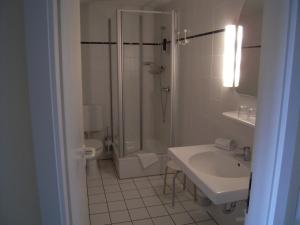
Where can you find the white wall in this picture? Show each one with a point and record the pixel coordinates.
(18, 190)
(202, 98)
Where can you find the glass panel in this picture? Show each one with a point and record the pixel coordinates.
(146, 82)
(131, 81)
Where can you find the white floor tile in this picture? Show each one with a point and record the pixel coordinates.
(94, 183)
(167, 198)
(100, 219)
(147, 192)
(170, 181)
(98, 208)
(138, 214)
(157, 182)
(127, 186)
(164, 220)
(159, 190)
(110, 181)
(130, 194)
(134, 203)
(116, 196)
(191, 205)
(156, 211)
(199, 215)
(182, 218)
(120, 216)
(143, 222)
(125, 223)
(142, 184)
(91, 178)
(178, 188)
(151, 201)
(93, 173)
(184, 196)
(108, 175)
(122, 181)
(210, 222)
(176, 209)
(94, 179)
(116, 206)
(95, 190)
(100, 198)
(112, 188)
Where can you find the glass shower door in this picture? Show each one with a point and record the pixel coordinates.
(145, 75)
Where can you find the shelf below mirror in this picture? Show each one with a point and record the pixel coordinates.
(243, 119)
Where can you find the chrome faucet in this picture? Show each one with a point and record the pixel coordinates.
(246, 153)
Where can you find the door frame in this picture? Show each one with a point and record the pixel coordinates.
(43, 46)
(275, 90)
(278, 115)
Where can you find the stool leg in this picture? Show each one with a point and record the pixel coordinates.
(184, 182)
(165, 180)
(195, 193)
(173, 191)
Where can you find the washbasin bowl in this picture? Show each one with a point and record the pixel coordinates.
(215, 164)
(219, 174)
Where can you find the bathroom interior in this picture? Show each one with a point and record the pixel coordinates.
(169, 94)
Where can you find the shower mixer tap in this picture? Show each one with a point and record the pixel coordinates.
(165, 89)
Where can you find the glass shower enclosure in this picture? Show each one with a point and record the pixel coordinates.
(144, 103)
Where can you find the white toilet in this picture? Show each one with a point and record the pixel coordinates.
(93, 123)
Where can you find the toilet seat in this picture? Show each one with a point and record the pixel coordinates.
(96, 144)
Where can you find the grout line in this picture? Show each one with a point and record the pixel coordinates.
(125, 203)
(99, 167)
(212, 218)
(88, 200)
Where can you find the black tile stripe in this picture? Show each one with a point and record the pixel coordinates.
(113, 43)
(203, 34)
(153, 43)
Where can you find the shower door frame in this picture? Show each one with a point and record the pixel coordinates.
(121, 72)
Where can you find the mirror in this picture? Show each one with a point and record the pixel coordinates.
(251, 20)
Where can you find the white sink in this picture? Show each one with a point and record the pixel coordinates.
(221, 176)
(219, 165)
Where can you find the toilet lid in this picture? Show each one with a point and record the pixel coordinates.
(94, 143)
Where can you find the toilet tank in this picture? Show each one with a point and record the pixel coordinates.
(93, 118)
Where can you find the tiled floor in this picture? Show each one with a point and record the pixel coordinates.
(138, 201)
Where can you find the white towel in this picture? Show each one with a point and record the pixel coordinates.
(147, 159)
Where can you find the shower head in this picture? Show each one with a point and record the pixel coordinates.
(154, 68)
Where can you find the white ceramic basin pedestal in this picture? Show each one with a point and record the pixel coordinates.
(221, 176)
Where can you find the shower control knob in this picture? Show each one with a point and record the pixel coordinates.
(165, 89)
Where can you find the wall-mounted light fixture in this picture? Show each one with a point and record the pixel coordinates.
(232, 55)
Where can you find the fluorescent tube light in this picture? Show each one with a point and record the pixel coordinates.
(238, 57)
(229, 56)
(232, 55)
